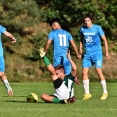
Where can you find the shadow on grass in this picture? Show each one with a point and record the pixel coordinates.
(14, 96)
(21, 101)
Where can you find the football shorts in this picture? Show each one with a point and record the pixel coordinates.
(92, 59)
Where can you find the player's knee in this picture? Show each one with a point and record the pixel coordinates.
(84, 72)
(43, 96)
(2, 75)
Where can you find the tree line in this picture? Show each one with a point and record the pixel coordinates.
(23, 19)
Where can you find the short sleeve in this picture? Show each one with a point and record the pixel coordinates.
(100, 31)
(70, 36)
(2, 29)
(51, 36)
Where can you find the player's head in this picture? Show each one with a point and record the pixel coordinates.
(55, 23)
(60, 71)
(88, 18)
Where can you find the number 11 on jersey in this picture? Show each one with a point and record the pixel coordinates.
(62, 38)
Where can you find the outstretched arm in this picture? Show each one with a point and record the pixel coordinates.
(74, 67)
(12, 38)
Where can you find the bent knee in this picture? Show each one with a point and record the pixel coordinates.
(43, 96)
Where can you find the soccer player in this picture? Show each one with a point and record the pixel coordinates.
(61, 39)
(2, 64)
(63, 83)
(90, 39)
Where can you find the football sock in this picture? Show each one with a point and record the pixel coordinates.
(6, 83)
(46, 61)
(86, 86)
(56, 100)
(103, 83)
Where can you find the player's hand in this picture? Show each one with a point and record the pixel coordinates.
(107, 56)
(13, 40)
(68, 54)
(79, 56)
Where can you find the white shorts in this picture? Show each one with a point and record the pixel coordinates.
(62, 92)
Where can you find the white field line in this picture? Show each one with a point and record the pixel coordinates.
(51, 109)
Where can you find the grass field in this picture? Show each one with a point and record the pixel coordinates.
(17, 106)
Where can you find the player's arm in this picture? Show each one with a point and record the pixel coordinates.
(106, 47)
(81, 47)
(74, 67)
(47, 45)
(12, 38)
(74, 47)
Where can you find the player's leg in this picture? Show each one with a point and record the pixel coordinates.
(98, 64)
(56, 61)
(86, 64)
(86, 84)
(3, 77)
(67, 65)
(103, 83)
(52, 99)
(49, 65)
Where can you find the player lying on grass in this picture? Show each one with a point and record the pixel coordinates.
(63, 83)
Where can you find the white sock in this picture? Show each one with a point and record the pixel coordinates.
(86, 86)
(103, 83)
(6, 83)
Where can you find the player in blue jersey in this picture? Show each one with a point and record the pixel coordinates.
(2, 65)
(63, 83)
(61, 39)
(90, 39)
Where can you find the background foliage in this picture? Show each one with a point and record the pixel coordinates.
(27, 21)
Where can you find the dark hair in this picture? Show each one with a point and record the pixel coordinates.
(59, 67)
(88, 15)
(54, 20)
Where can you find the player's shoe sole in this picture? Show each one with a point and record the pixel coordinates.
(87, 96)
(104, 96)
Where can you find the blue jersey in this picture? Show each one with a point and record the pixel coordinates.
(2, 30)
(91, 38)
(61, 40)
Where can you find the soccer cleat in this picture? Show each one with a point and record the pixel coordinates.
(10, 91)
(42, 53)
(77, 80)
(87, 96)
(104, 96)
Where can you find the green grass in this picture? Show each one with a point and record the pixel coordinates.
(17, 106)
